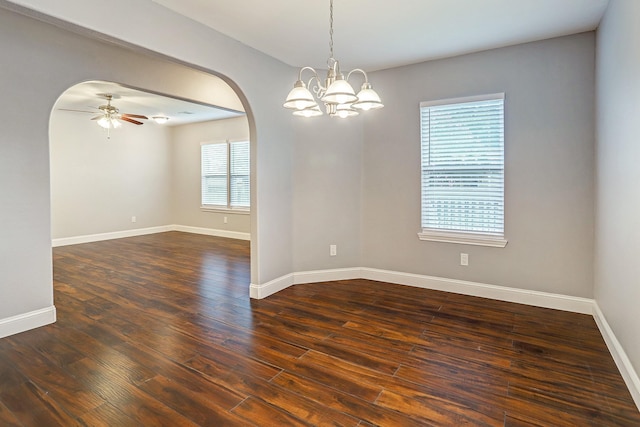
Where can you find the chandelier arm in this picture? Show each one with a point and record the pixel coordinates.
(318, 89)
(313, 70)
(366, 78)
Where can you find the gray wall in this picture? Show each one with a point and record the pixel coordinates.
(327, 185)
(549, 159)
(617, 272)
(186, 197)
(98, 184)
(40, 61)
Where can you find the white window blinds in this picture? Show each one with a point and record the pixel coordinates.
(462, 145)
(225, 174)
(214, 174)
(239, 174)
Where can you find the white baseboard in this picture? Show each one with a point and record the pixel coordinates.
(521, 296)
(151, 230)
(108, 236)
(501, 293)
(283, 282)
(302, 277)
(212, 232)
(271, 287)
(26, 321)
(627, 371)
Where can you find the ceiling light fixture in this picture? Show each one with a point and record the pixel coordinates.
(160, 119)
(336, 93)
(109, 118)
(110, 115)
(108, 122)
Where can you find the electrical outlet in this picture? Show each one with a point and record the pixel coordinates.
(464, 259)
(225, 220)
(133, 219)
(333, 250)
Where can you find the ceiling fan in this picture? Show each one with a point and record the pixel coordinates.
(110, 117)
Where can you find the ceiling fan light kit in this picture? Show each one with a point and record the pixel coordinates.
(108, 122)
(160, 119)
(110, 117)
(338, 96)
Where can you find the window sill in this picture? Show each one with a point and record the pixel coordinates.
(239, 211)
(463, 238)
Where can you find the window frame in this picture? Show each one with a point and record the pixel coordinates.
(462, 236)
(244, 210)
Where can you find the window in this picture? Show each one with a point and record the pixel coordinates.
(462, 146)
(225, 175)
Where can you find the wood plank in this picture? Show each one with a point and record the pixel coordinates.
(24, 403)
(385, 331)
(434, 411)
(518, 421)
(260, 413)
(53, 380)
(8, 418)
(547, 410)
(106, 416)
(203, 407)
(33, 406)
(290, 402)
(126, 397)
(462, 348)
(343, 401)
(270, 350)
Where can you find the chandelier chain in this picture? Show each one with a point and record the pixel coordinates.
(331, 29)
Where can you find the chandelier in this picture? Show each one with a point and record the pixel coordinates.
(338, 96)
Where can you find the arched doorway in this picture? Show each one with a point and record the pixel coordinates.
(139, 178)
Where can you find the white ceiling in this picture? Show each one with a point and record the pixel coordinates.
(377, 34)
(88, 96)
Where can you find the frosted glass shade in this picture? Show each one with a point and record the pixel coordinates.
(108, 122)
(344, 110)
(340, 92)
(299, 98)
(368, 99)
(104, 122)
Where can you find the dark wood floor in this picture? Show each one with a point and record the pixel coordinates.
(160, 330)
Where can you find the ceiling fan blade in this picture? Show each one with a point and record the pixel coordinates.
(97, 117)
(127, 119)
(76, 111)
(135, 116)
